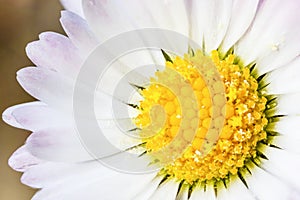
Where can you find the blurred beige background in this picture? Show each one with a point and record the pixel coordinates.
(20, 21)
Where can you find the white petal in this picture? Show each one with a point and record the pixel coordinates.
(265, 186)
(183, 194)
(22, 160)
(61, 145)
(199, 193)
(103, 106)
(94, 183)
(68, 144)
(10, 119)
(209, 22)
(284, 165)
(53, 45)
(109, 18)
(141, 58)
(120, 138)
(47, 86)
(284, 79)
(287, 104)
(288, 127)
(73, 5)
(148, 190)
(135, 67)
(288, 144)
(242, 15)
(114, 89)
(37, 116)
(48, 174)
(166, 190)
(273, 40)
(235, 190)
(79, 32)
(289, 139)
(108, 108)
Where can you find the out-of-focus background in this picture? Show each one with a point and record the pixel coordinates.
(20, 22)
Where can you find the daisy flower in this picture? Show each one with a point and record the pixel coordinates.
(210, 117)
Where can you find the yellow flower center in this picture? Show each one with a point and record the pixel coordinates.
(242, 129)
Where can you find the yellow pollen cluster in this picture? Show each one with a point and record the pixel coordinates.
(243, 127)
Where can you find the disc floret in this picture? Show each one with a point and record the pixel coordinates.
(243, 129)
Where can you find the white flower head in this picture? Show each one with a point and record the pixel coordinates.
(181, 99)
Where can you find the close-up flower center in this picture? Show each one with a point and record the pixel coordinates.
(152, 100)
(243, 129)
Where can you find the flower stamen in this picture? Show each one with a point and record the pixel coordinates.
(244, 127)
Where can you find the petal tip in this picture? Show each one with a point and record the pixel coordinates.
(7, 117)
